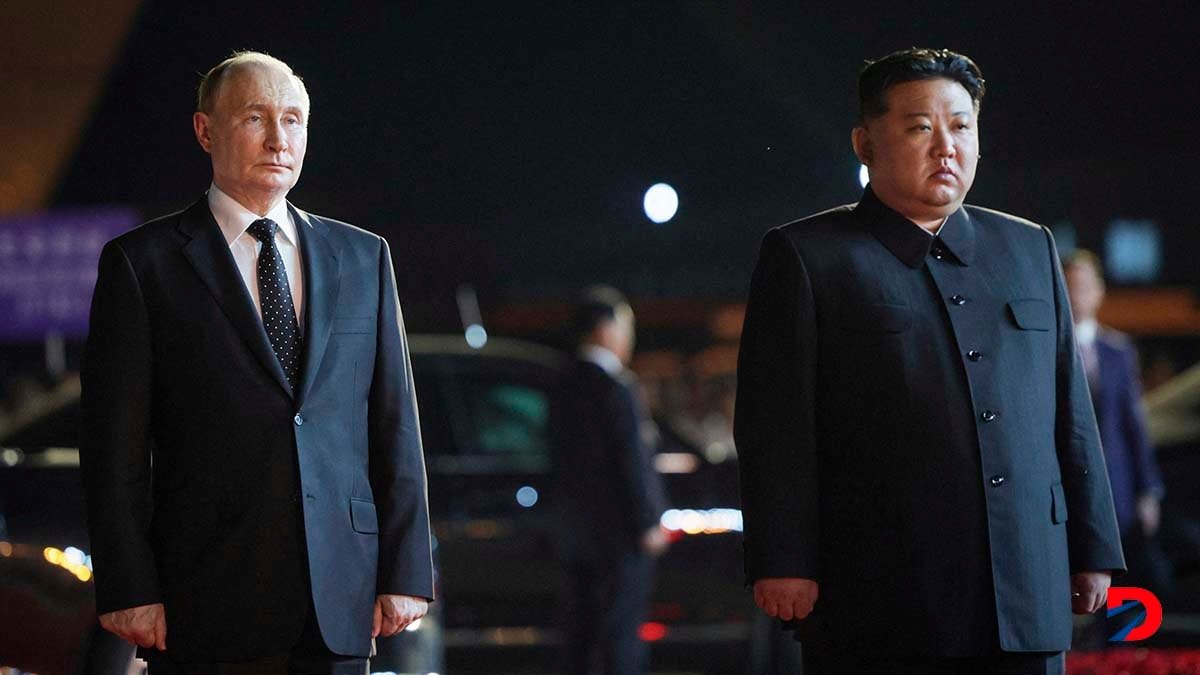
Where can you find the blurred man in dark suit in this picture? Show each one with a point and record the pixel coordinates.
(610, 496)
(922, 481)
(253, 466)
(1111, 363)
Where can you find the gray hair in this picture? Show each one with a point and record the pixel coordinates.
(210, 83)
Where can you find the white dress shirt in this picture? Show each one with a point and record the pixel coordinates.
(234, 221)
(1085, 332)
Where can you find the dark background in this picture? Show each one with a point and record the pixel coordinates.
(507, 145)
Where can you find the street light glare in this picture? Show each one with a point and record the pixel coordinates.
(660, 203)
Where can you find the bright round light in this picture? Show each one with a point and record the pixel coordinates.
(661, 202)
(527, 496)
(476, 336)
(864, 175)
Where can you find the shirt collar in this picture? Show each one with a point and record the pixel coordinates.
(605, 358)
(907, 241)
(234, 219)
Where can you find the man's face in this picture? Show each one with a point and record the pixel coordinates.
(618, 334)
(256, 133)
(922, 152)
(1086, 290)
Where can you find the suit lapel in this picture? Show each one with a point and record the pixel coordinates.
(209, 254)
(321, 282)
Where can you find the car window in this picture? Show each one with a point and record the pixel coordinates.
(506, 406)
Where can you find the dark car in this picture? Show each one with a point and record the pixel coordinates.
(483, 420)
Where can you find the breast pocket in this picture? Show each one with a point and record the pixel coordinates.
(876, 318)
(343, 325)
(1031, 314)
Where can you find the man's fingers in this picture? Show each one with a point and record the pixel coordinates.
(160, 631)
(771, 607)
(144, 637)
(802, 608)
(377, 620)
(1085, 603)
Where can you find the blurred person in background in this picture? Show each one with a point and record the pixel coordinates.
(1110, 361)
(611, 499)
(251, 457)
(923, 487)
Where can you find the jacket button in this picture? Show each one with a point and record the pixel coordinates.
(987, 416)
(974, 355)
(997, 481)
(298, 419)
(958, 299)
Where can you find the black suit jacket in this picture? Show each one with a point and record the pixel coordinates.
(608, 491)
(915, 433)
(214, 488)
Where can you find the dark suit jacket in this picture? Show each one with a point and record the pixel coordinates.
(1117, 399)
(913, 428)
(214, 488)
(607, 488)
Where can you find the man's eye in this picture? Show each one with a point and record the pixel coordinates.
(254, 118)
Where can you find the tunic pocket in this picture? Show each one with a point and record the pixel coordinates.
(1032, 314)
(1058, 504)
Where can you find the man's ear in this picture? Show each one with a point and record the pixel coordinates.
(201, 124)
(860, 138)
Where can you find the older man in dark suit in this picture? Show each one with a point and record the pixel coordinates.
(922, 481)
(252, 460)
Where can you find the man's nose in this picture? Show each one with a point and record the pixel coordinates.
(276, 137)
(943, 144)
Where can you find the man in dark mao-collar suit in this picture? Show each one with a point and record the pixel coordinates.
(922, 481)
(251, 455)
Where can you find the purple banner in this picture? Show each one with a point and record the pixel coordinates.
(48, 269)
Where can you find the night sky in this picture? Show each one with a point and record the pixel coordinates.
(507, 145)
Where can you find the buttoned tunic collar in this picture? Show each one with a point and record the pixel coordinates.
(907, 241)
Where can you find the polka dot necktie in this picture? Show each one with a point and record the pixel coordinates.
(275, 297)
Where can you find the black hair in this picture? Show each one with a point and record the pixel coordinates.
(595, 305)
(908, 65)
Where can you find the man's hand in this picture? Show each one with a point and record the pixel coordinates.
(1089, 591)
(144, 626)
(654, 542)
(786, 599)
(1149, 513)
(393, 613)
